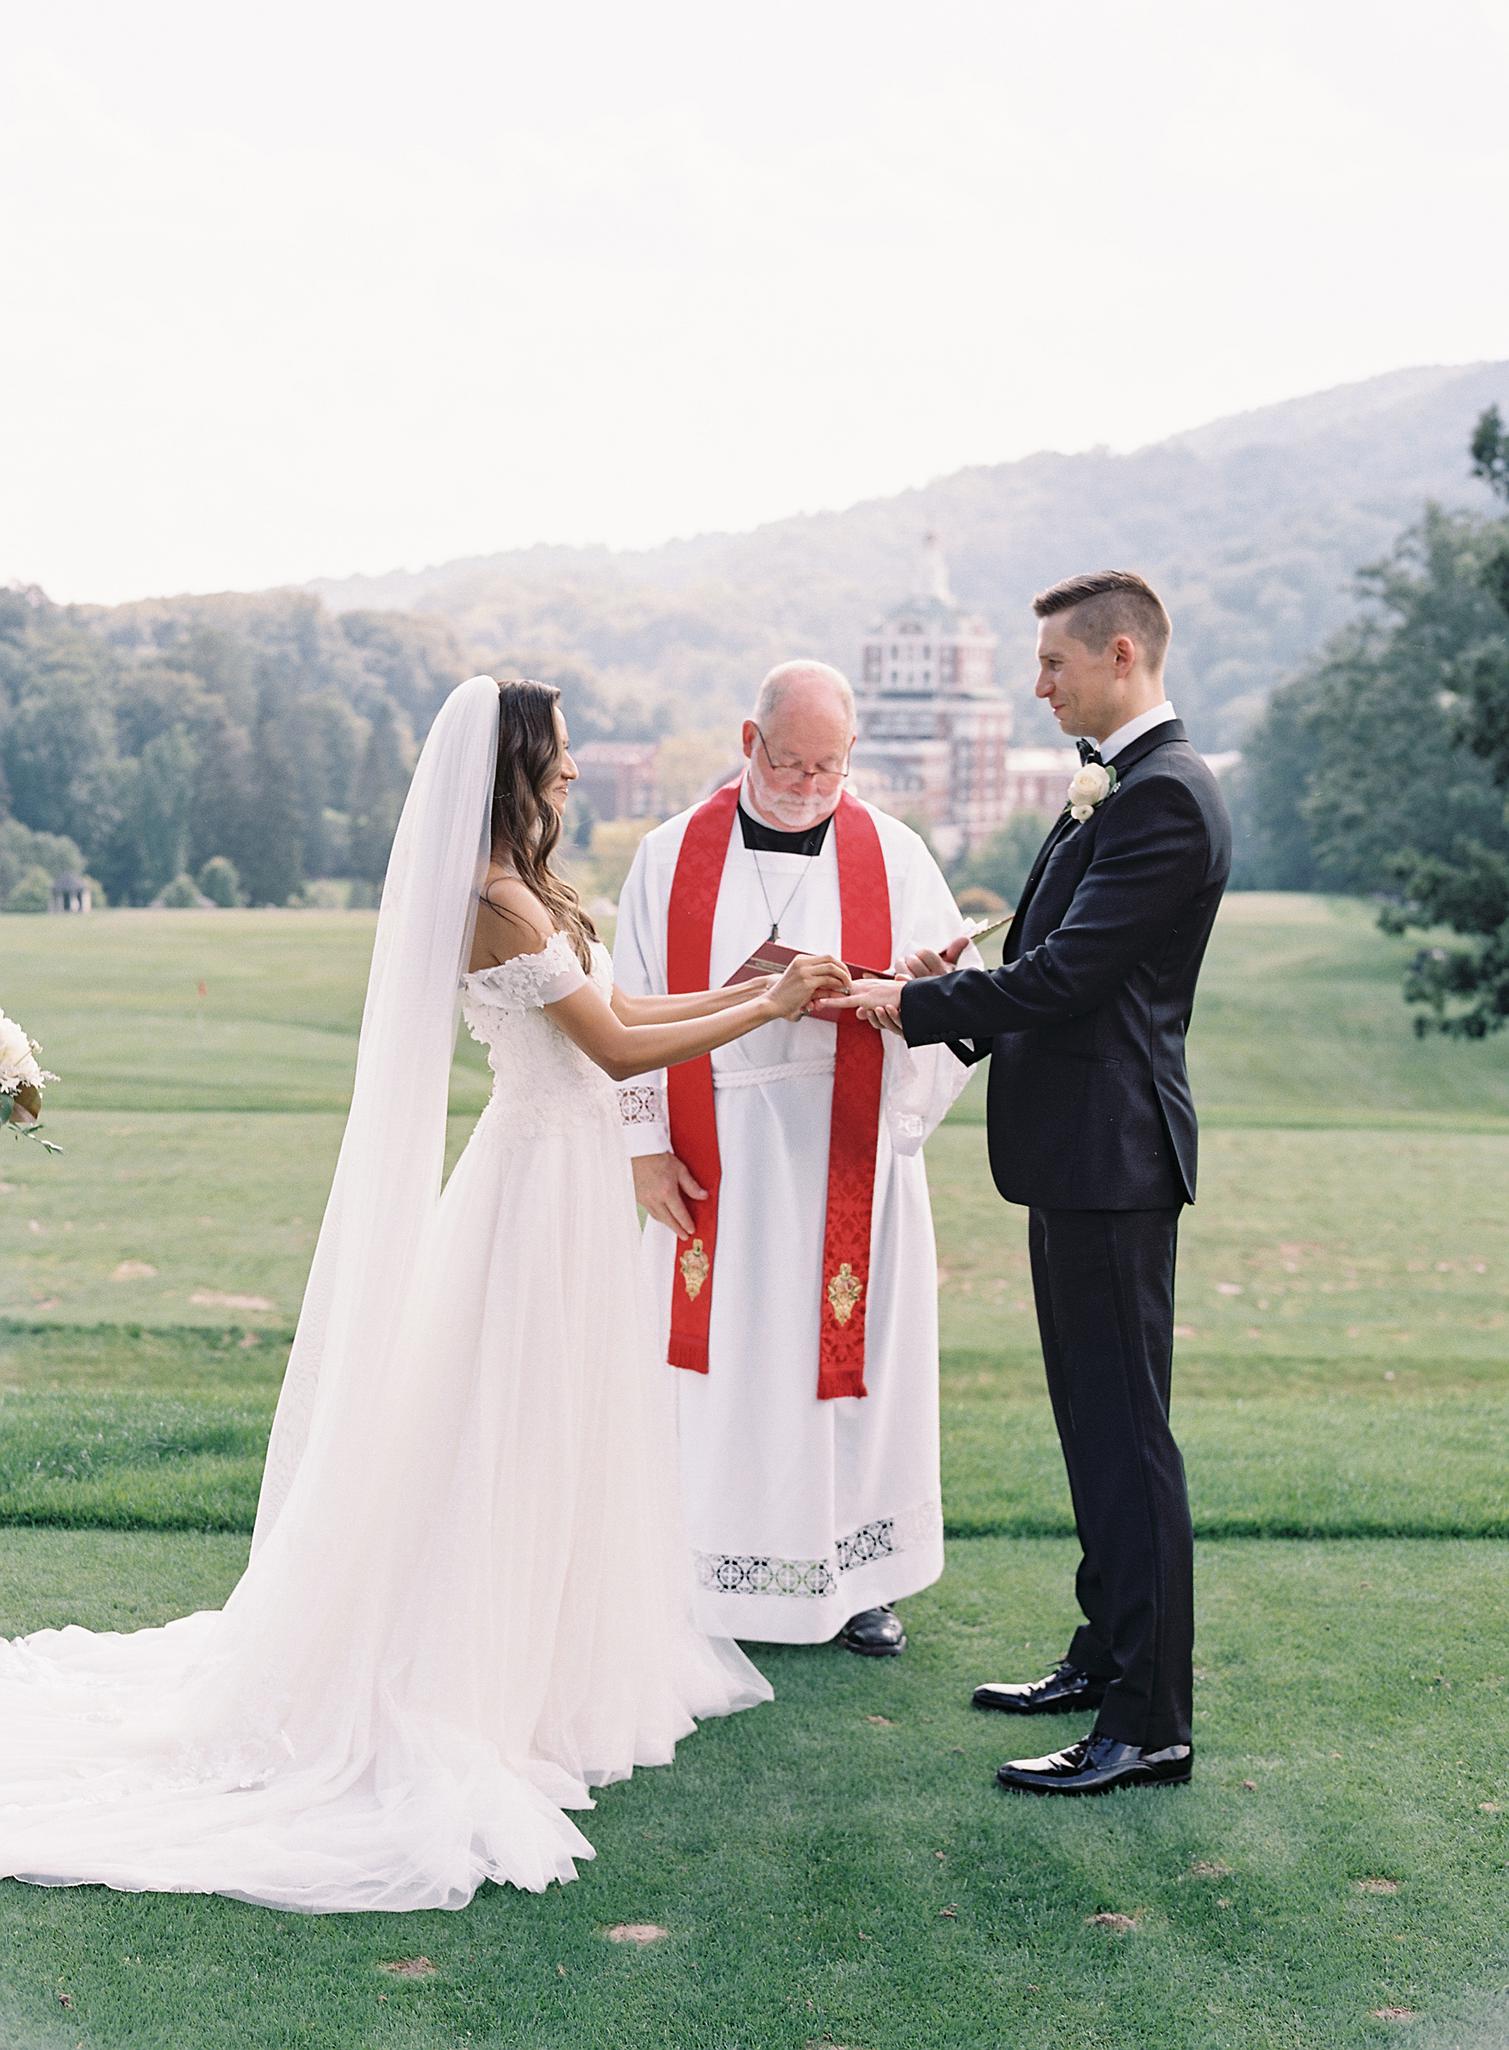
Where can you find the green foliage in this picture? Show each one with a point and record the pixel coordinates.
(272, 862)
(181, 894)
(974, 901)
(147, 739)
(688, 765)
(1364, 754)
(377, 798)
(615, 842)
(1464, 991)
(21, 849)
(57, 743)
(151, 801)
(31, 893)
(1001, 865)
(1384, 768)
(1272, 848)
(220, 882)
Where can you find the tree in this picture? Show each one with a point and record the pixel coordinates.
(153, 699)
(377, 796)
(179, 895)
(1001, 865)
(58, 743)
(272, 865)
(142, 832)
(166, 780)
(1464, 991)
(688, 765)
(32, 893)
(1364, 754)
(1272, 847)
(220, 883)
(975, 901)
(615, 842)
(21, 849)
(220, 820)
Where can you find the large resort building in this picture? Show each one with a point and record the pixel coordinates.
(934, 722)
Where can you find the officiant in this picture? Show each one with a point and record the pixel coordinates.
(790, 1240)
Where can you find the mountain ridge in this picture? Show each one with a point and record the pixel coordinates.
(1252, 525)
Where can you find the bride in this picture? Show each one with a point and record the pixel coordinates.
(467, 1600)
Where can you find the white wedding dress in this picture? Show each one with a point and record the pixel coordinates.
(468, 1599)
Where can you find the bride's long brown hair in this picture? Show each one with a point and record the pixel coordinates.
(526, 827)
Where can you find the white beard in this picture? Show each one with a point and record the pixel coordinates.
(791, 814)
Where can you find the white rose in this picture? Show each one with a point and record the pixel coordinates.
(1080, 812)
(15, 1047)
(1088, 785)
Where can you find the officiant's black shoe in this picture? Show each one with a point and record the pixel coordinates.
(1066, 1687)
(874, 1633)
(1098, 1765)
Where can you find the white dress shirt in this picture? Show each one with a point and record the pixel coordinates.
(1155, 715)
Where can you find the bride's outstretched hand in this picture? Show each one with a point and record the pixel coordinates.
(877, 1000)
(810, 979)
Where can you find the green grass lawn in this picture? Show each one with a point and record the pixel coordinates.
(837, 1869)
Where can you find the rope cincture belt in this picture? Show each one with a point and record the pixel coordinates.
(785, 1071)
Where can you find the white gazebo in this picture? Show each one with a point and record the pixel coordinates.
(70, 893)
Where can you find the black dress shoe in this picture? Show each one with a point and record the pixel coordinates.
(1098, 1765)
(1066, 1687)
(874, 1634)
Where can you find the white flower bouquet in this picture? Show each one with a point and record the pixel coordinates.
(22, 1081)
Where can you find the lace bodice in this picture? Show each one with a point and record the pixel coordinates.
(542, 1081)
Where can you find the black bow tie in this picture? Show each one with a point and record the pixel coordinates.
(1088, 752)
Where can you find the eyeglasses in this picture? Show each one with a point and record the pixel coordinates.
(825, 776)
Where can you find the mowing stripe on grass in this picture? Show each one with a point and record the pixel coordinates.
(838, 1866)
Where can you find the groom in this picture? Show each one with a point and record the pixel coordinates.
(1092, 1126)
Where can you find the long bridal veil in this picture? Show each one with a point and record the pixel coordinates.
(324, 1740)
(388, 1175)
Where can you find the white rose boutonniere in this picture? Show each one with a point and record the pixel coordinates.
(1088, 787)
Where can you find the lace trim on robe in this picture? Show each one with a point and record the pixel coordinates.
(812, 1579)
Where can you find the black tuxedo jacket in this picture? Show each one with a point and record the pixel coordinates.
(1089, 1106)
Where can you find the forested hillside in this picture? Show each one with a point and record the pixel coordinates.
(251, 742)
(1253, 527)
(145, 741)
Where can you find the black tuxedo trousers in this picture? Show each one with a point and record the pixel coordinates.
(1104, 1284)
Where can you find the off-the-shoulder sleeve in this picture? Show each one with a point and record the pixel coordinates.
(530, 980)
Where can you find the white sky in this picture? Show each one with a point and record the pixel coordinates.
(306, 287)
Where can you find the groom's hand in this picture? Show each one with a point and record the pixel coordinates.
(926, 962)
(662, 1184)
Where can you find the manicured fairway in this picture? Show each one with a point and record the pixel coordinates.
(838, 1868)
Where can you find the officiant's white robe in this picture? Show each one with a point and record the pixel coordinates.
(800, 1512)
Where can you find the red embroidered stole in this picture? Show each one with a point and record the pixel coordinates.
(854, 1128)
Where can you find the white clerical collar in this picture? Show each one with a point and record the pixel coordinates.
(1155, 715)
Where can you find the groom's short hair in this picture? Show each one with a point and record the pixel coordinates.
(1107, 602)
